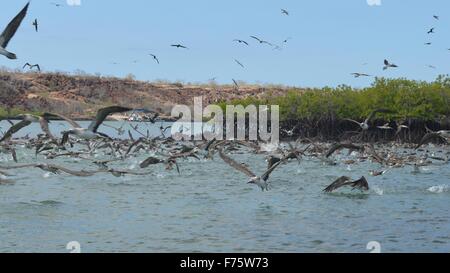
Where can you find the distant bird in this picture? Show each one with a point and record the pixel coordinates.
(32, 66)
(432, 66)
(388, 65)
(36, 25)
(287, 40)
(179, 46)
(357, 75)
(431, 31)
(377, 173)
(260, 181)
(285, 12)
(155, 58)
(9, 32)
(443, 135)
(365, 125)
(429, 43)
(261, 41)
(436, 17)
(56, 4)
(342, 181)
(240, 41)
(385, 127)
(91, 131)
(239, 63)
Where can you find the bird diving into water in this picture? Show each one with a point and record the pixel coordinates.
(9, 32)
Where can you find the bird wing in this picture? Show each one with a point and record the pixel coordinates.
(361, 184)
(12, 27)
(14, 129)
(386, 62)
(354, 121)
(427, 138)
(256, 38)
(103, 113)
(25, 65)
(236, 165)
(70, 121)
(44, 126)
(333, 149)
(338, 183)
(265, 176)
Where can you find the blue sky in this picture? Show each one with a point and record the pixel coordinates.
(330, 39)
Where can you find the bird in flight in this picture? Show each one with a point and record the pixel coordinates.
(32, 66)
(429, 43)
(155, 58)
(431, 31)
(36, 25)
(261, 41)
(240, 41)
(56, 4)
(285, 12)
(436, 17)
(9, 32)
(260, 181)
(179, 46)
(443, 135)
(365, 125)
(239, 63)
(357, 75)
(388, 65)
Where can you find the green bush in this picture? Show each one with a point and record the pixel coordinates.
(405, 98)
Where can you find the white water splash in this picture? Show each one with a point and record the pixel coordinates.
(46, 175)
(377, 190)
(439, 189)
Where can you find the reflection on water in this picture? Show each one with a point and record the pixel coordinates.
(209, 207)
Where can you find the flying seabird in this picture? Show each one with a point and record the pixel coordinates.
(385, 127)
(357, 75)
(261, 41)
(339, 146)
(342, 181)
(91, 131)
(27, 119)
(36, 25)
(239, 63)
(56, 4)
(32, 66)
(443, 134)
(436, 17)
(240, 41)
(155, 58)
(285, 12)
(179, 46)
(431, 31)
(429, 43)
(9, 32)
(365, 125)
(388, 65)
(260, 181)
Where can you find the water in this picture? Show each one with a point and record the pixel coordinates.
(210, 208)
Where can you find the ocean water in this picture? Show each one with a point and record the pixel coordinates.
(209, 207)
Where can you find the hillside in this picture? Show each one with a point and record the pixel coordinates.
(79, 96)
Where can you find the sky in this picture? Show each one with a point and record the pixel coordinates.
(329, 39)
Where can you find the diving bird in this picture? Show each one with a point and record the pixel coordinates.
(260, 181)
(342, 181)
(155, 58)
(443, 135)
(239, 63)
(27, 119)
(357, 75)
(240, 41)
(179, 46)
(285, 12)
(91, 131)
(365, 125)
(388, 65)
(36, 25)
(32, 66)
(9, 32)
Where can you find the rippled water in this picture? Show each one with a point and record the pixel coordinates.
(209, 207)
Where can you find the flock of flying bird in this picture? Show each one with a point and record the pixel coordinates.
(172, 151)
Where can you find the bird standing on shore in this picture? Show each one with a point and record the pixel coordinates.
(9, 32)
